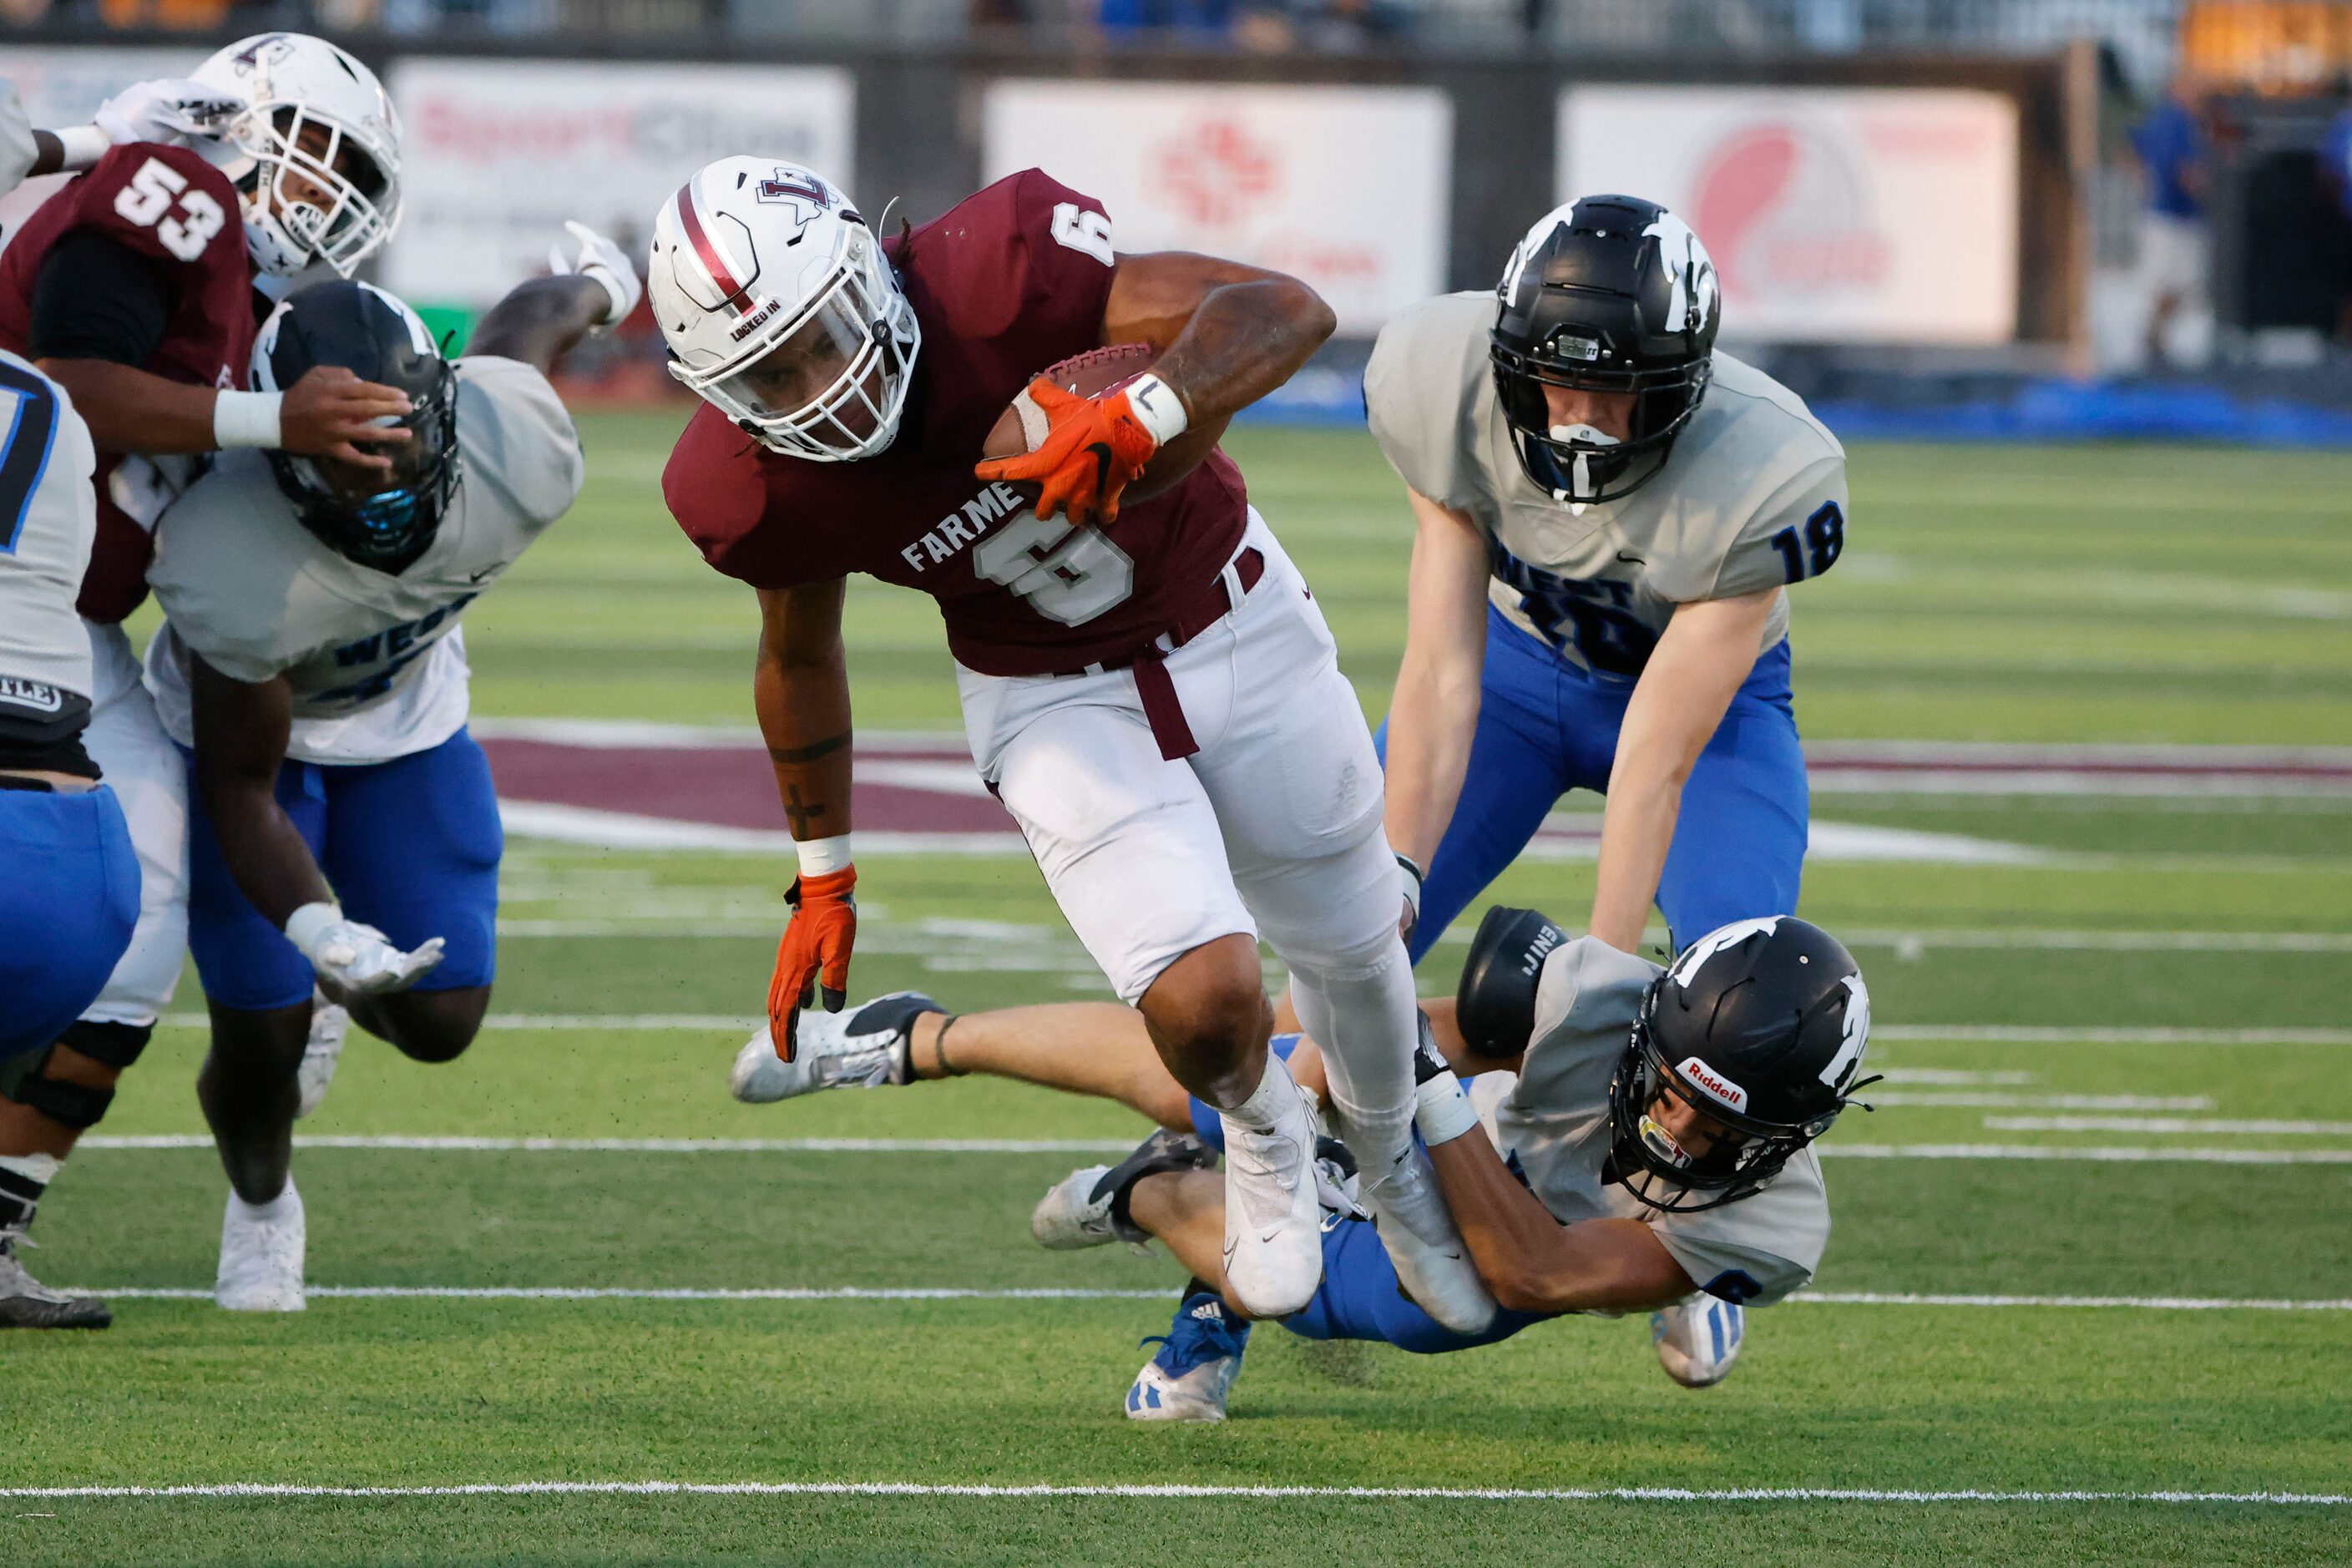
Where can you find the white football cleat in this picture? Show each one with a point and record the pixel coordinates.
(1081, 1209)
(866, 1046)
(1194, 1370)
(1432, 1261)
(1698, 1339)
(320, 1052)
(1274, 1218)
(1070, 1216)
(261, 1255)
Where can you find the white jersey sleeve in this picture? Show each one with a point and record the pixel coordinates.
(518, 438)
(17, 149)
(48, 515)
(1421, 399)
(1758, 498)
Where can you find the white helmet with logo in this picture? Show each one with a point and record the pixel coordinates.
(780, 311)
(316, 153)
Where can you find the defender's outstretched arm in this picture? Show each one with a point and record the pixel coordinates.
(1707, 652)
(1435, 713)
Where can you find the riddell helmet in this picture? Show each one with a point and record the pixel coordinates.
(384, 522)
(781, 309)
(1608, 294)
(1760, 1026)
(315, 153)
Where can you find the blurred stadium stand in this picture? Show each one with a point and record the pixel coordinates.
(920, 83)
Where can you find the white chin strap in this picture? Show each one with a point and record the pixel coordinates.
(1581, 476)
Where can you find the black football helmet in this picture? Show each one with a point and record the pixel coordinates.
(380, 520)
(1608, 294)
(1760, 1026)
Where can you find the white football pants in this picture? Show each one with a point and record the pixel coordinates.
(146, 770)
(1273, 828)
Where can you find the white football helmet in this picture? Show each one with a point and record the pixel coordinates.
(315, 154)
(780, 311)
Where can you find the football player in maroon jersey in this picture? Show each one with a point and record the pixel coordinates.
(136, 288)
(1149, 687)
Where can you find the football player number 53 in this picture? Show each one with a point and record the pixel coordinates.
(185, 220)
(1067, 574)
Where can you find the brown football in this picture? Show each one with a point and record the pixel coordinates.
(1022, 425)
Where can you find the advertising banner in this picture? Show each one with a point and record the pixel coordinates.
(1345, 187)
(500, 153)
(1834, 215)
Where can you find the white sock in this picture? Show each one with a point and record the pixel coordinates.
(1365, 1022)
(282, 1207)
(41, 1168)
(1275, 1098)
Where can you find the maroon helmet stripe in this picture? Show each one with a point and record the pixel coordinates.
(717, 264)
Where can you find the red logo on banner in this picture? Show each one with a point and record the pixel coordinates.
(1785, 210)
(1215, 173)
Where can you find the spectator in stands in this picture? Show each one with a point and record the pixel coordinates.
(1118, 17)
(2173, 147)
(2336, 175)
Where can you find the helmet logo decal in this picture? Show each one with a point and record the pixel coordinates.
(1713, 1084)
(1688, 268)
(1839, 1072)
(1696, 955)
(799, 190)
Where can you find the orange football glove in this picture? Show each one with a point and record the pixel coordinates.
(815, 950)
(1093, 446)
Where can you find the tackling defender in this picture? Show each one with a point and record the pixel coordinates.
(1148, 687)
(1608, 513)
(71, 891)
(137, 288)
(1653, 1127)
(312, 670)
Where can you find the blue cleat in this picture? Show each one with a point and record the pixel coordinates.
(1196, 1364)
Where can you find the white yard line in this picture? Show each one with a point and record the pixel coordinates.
(959, 1293)
(2035, 1034)
(1970, 1101)
(2025, 1034)
(2151, 1124)
(463, 1144)
(1179, 1490)
(2091, 1152)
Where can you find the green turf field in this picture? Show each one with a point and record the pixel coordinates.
(2118, 1101)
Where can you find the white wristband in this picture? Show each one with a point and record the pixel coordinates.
(246, 418)
(1157, 408)
(83, 145)
(820, 857)
(622, 304)
(305, 925)
(1442, 1111)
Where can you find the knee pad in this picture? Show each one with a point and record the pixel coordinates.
(25, 1078)
(116, 1044)
(1496, 1004)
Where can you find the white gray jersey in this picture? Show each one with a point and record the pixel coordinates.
(1556, 1120)
(48, 514)
(375, 659)
(17, 152)
(1752, 496)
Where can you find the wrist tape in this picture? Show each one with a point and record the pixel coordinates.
(305, 925)
(1157, 408)
(83, 145)
(246, 418)
(1442, 1111)
(822, 857)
